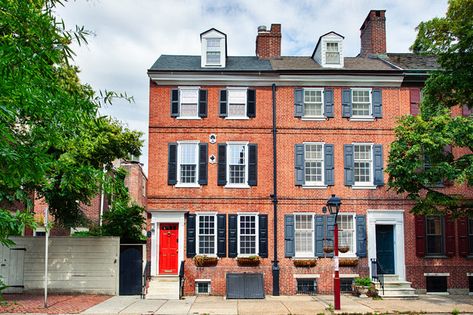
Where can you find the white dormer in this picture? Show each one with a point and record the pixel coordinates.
(214, 49)
(329, 50)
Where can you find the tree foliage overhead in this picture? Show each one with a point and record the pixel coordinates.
(52, 140)
(427, 136)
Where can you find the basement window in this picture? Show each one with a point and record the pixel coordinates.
(202, 287)
(307, 286)
(470, 284)
(436, 284)
(346, 285)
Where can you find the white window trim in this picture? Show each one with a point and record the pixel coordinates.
(307, 254)
(189, 88)
(244, 185)
(321, 184)
(203, 281)
(187, 185)
(338, 50)
(256, 215)
(363, 117)
(352, 253)
(199, 214)
(364, 185)
(213, 49)
(315, 117)
(234, 88)
(39, 229)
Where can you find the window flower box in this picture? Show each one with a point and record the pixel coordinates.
(205, 261)
(250, 261)
(348, 262)
(308, 263)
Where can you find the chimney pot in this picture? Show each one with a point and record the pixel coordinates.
(261, 28)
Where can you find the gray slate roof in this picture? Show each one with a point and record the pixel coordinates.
(192, 63)
(350, 63)
(410, 61)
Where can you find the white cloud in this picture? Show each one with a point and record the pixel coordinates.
(132, 34)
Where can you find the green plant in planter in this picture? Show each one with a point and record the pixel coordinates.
(249, 261)
(363, 282)
(205, 261)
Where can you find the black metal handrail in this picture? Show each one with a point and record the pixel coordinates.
(181, 279)
(146, 276)
(377, 272)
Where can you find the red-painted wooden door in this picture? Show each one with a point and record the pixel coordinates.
(168, 250)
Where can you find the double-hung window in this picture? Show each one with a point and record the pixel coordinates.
(313, 103)
(314, 164)
(206, 234)
(332, 55)
(213, 53)
(363, 164)
(237, 164)
(247, 234)
(188, 163)
(189, 102)
(304, 235)
(434, 235)
(237, 103)
(361, 103)
(346, 226)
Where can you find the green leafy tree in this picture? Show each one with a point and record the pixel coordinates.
(424, 138)
(52, 140)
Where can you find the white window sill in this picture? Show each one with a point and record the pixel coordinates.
(306, 275)
(244, 186)
(437, 293)
(246, 255)
(362, 118)
(304, 257)
(315, 118)
(314, 186)
(187, 185)
(345, 255)
(371, 187)
(237, 118)
(209, 255)
(188, 118)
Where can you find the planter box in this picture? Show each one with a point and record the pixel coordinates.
(251, 261)
(205, 261)
(348, 262)
(305, 262)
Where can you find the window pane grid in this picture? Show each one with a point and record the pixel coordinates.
(361, 102)
(347, 231)
(237, 164)
(213, 43)
(304, 235)
(332, 54)
(434, 235)
(313, 163)
(307, 286)
(206, 234)
(362, 163)
(313, 103)
(247, 234)
(188, 162)
(213, 57)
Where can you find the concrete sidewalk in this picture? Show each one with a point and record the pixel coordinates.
(319, 304)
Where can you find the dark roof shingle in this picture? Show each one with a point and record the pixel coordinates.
(307, 63)
(410, 61)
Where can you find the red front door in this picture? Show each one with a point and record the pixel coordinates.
(168, 240)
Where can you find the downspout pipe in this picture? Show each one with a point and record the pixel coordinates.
(274, 196)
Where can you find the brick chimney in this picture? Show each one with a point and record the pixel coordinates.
(268, 43)
(373, 33)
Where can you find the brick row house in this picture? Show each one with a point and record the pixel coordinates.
(244, 152)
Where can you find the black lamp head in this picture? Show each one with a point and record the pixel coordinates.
(333, 204)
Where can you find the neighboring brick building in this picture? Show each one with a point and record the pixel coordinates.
(211, 168)
(135, 181)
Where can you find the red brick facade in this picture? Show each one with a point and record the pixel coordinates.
(373, 33)
(268, 43)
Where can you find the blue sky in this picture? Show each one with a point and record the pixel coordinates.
(131, 34)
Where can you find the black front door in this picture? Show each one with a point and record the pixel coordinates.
(385, 248)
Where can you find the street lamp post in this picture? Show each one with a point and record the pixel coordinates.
(333, 205)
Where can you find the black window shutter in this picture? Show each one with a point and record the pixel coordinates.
(221, 235)
(174, 103)
(298, 103)
(329, 165)
(361, 236)
(450, 248)
(329, 228)
(348, 164)
(191, 235)
(203, 168)
(299, 164)
(346, 103)
(377, 99)
(251, 103)
(223, 103)
(222, 164)
(232, 235)
(420, 235)
(289, 244)
(378, 165)
(172, 163)
(252, 164)
(263, 235)
(319, 235)
(203, 103)
(328, 103)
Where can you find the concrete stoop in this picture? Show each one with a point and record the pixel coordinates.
(395, 288)
(163, 288)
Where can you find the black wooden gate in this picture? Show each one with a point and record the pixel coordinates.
(131, 269)
(245, 286)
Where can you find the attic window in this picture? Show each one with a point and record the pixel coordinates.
(332, 54)
(213, 51)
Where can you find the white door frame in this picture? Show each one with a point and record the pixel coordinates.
(388, 217)
(164, 216)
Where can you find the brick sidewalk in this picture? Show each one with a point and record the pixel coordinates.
(57, 304)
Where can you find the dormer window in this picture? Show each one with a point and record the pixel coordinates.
(213, 48)
(332, 54)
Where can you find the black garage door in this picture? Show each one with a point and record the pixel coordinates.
(245, 286)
